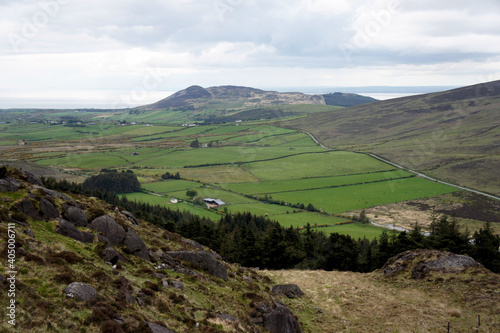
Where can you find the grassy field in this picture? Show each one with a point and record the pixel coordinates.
(259, 160)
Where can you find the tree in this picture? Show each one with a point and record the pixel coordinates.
(194, 144)
(191, 193)
(486, 248)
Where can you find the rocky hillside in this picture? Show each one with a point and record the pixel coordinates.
(416, 291)
(451, 135)
(76, 264)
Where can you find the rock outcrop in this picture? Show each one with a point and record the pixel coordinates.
(135, 244)
(108, 228)
(80, 291)
(204, 260)
(289, 290)
(421, 263)
(275, 319)
(76, 216)
(68, 229)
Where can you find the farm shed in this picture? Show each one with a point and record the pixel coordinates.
(214, 202)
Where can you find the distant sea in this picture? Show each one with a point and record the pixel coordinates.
(129, 99)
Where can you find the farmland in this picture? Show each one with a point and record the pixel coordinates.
(256, 167)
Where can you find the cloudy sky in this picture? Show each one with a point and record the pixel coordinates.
(141, 49)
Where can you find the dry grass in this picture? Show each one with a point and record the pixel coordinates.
(355, 302)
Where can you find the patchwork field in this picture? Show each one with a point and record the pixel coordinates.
(264, 169)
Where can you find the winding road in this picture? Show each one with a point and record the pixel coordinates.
(419, 174)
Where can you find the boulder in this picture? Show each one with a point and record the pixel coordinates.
(76, 216)
(277, 319)
(68, 229)
(49, 211)
(135, 244)
(112, 256)
(204, 260)
(418, 264)
(155, 328)
(25, 206)
(227, 317)
(8, 184)
(280, 320)
(192, 243)
(130, 217)
(80, 291)
(108, 227)
(177, 285)
(289, 290)
(31, 178)
(53, 194)
(29, 233)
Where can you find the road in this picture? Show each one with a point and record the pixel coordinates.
(419, 174)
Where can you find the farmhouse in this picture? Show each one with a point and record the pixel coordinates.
(214, 202)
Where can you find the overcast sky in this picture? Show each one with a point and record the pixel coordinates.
(145, 46)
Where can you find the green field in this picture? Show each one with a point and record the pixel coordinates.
(250, 167)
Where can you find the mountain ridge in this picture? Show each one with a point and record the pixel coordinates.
(451, 135)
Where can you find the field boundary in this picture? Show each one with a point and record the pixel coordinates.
(417, 173)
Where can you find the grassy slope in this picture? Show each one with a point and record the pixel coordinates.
(366, 303)
(453, 135)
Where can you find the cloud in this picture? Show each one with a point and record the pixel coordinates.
(113, 44)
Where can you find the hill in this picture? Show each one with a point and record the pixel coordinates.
(452, 135)
(455, 293)
(245, 97)
(76, 264)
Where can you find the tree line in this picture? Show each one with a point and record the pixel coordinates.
(257, 241)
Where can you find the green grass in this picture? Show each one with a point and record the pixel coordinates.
(342, 199)
(355, 230)
(316, 165)
(268, 187)
(170, 185)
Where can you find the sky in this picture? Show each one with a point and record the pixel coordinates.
(129, 52)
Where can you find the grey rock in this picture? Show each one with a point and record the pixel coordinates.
(49, 211)
(53, 194)
(164, 283)
(29, 232)
(31, 178)
(108, 227)
(289, 290)
(76, 216)
(247, 278)
(204, 260)
(130, 217)
(68, 229)
(280, 320)
(135, 244)
(112, 256)
(80, 291)
(177, 285)
(8, 184)
(26, 206)
(192, 243)
(155, 328)
(227, 317)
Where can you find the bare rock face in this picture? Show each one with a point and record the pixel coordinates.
(49, 211)
(53, 194)
(25, 206)
(277, 319)
(204, 260)
(8, 184)
(76, 216)
(421, 263)
(289, 290)
(108, 227)
(112, 256)
(130, 217)
(135, 244)
(80, 291)
(68, 229)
